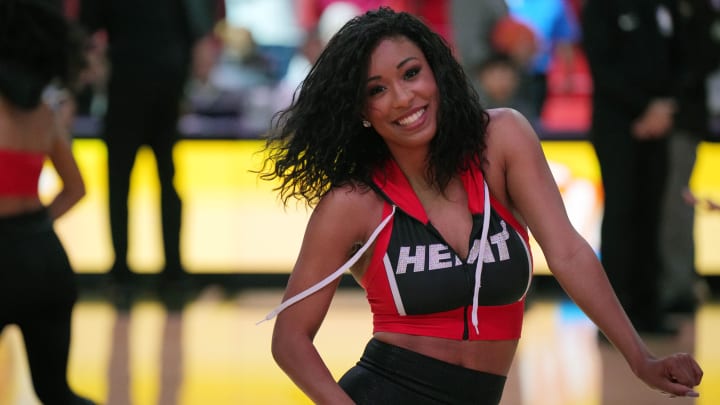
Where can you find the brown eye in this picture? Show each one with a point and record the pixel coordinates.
(412, 73)
(375, 90)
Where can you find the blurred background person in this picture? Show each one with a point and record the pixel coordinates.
(698, 28)
(298, 67)
(150, 50)
(239, 71)
(274, 26)
(629, 48)
(240, 65)
(472, 25)
(557, 32)
(39, 54)
(495, 50)
(435, 13)
(499, 79)
(331, 19)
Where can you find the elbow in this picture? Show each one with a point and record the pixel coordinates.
(81, 192)
(574, 255)
(75, 190)
(279, 350)
(75, 194)
(78, 193)
(287, 346)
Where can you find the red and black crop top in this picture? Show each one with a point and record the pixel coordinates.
(20, 172)
(416, 284)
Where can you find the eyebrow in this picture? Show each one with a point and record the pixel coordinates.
(399, 65)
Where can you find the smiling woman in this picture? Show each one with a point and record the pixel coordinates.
(429, 201)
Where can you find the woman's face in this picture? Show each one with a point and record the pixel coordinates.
(401, 94)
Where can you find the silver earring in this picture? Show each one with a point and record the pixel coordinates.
(366, 123)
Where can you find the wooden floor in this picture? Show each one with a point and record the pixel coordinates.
(211, 352)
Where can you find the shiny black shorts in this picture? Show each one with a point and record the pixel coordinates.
(388, 374)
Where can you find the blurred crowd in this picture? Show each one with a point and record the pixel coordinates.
(519, 53)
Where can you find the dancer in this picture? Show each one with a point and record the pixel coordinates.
(37, 284)
(431, 198)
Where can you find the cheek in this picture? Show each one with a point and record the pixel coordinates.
(435, 91)
(374, 110)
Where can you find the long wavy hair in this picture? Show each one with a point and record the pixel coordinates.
(38, 45)
(319, 143)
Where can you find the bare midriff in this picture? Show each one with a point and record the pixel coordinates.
(490, 356)
(11, 206)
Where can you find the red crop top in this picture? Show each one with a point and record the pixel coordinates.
(417, 285)
(20, 172)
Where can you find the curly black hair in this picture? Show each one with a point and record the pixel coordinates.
(318, 142)
(38, 45)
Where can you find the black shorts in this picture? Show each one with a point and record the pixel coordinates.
(388, 374)
(36, 279)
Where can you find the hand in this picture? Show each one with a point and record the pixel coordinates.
(675, 375)
(656, 121)
(205, 54)
(690, 199)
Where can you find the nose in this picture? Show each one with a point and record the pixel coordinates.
(403, 95)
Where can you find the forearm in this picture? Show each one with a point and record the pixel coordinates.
(67, 169)
(63, 202)
(300, 360)
(585, 281)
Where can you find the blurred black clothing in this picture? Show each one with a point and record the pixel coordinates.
(150, 45)
(630, 56)
(148, 38)
(37, 293)
(630, 50)
(697, 39)
(698, 44)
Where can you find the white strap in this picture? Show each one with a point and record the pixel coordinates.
(327, 280)
(480, 258)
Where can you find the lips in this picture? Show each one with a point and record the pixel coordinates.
(412, 118)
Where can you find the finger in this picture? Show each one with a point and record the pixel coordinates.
(674, 389)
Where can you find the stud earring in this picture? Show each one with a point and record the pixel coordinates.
(366, 123)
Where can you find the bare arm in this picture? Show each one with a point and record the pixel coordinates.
(528, 181)
(62, 158)
(336, 224)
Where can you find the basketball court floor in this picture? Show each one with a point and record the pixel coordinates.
(212, 352)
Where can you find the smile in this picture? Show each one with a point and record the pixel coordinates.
(411, 118)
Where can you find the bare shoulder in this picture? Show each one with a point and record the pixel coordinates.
(344, 219)
(513, 149)
(509, 124)
(356, 208)
(510, 137)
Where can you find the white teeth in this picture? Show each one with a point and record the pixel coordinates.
(409, 120)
